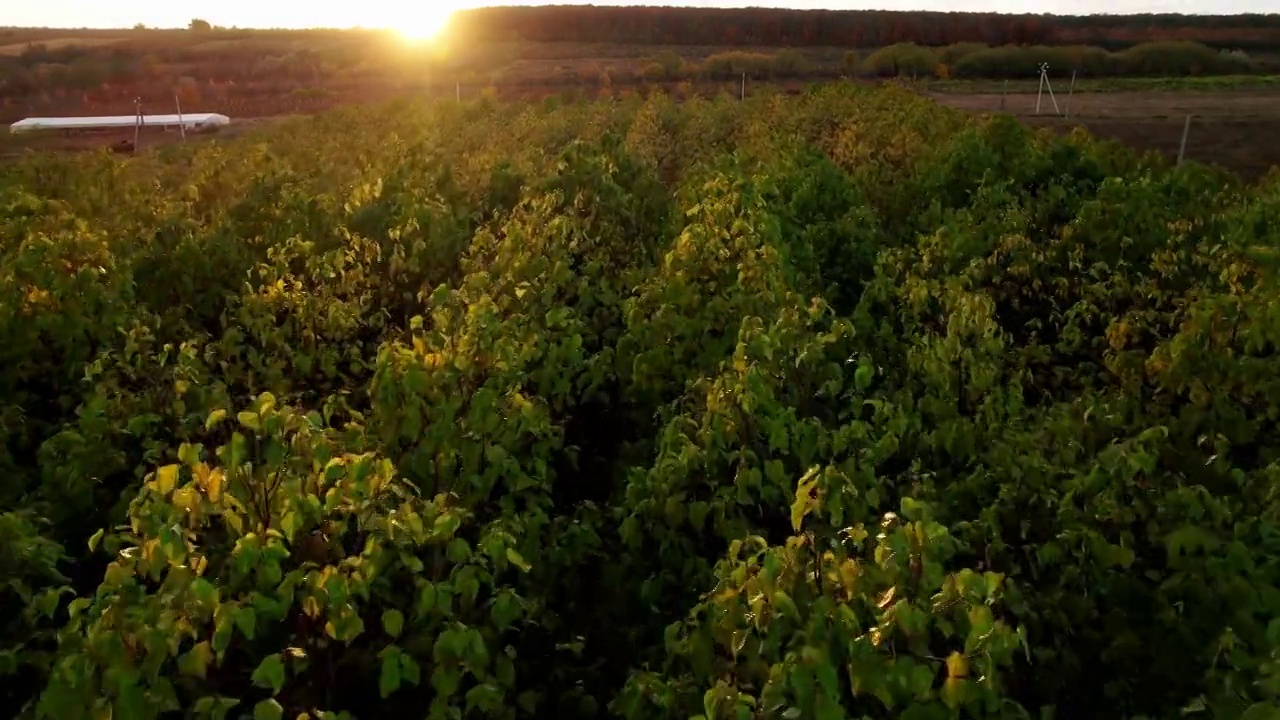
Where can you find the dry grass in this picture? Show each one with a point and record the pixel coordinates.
(59, 43)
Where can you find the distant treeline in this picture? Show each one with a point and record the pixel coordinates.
(850, 28)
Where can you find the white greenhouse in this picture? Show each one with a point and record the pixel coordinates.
(191, 121)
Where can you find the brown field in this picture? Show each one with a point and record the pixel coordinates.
(250, 75)
(58, 43)
(1236, 130)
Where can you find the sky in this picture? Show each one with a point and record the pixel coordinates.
(422, 15)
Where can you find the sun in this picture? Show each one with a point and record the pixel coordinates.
(424, 23)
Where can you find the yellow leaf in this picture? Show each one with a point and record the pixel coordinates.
(234, 522)
(115, 575)
(213, 485)
(214, 418)
(197, 660)
(166, 479)
(957, 665)
(149, 549)
(185, 499)
(953, 691)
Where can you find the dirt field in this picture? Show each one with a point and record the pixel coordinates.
(1234, 129)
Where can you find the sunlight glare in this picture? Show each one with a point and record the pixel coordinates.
(423, 24)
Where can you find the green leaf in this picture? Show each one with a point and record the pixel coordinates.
(1187, 539)
(95, 539)
(247, 621)
(222, 633)
(698, 513)
(785, 605)
(270, 673)
(274, 453)
(458, 551)
(393, 622)
(204, 592)
(409, 670)
(862, 376)
(131, 702)
(237, 451)
(710, 699)
(268, 710)
(426, 598)
(389, 678)
(195, 661)
(249, 420)
(506, 608)
(514, 558)
(290, 524)
(778, 437)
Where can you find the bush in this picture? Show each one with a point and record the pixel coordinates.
(951, 54)
(1180, 59)
(1011, 61)
(902, 60)
(734, 63)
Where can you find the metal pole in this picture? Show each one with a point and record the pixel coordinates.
(458, 89)
(1039, 91)
(743, 94)
(1182, 149)
(182, 127)
(1070, 93)
(137, 123)
(1049, 86)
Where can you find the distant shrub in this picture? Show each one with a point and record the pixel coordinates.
(1180, 59)
(653, 72)
(735, 62)
(789, 63)
(950, 54)
(902, 60)
(1158, 59)
(1016, 61)
(673, 65)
